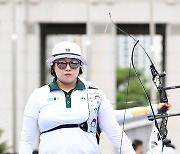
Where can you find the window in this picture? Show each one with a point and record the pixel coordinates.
(125, 46)
(54, 33)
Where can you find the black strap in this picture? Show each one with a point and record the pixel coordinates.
(83, 126)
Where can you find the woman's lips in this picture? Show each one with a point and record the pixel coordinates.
(67, 74)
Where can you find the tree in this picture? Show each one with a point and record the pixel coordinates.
(3, 145)
(135, 94)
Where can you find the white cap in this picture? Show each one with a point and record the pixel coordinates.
(66, 50)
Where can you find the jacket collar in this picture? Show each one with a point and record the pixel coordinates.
(53, 85)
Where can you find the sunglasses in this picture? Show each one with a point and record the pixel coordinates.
(74, 64)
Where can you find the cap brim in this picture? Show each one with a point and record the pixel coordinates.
(83, 60)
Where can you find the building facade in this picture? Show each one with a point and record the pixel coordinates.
(28, 29)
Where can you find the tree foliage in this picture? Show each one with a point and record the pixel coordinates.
(135, 96)
(3, 145)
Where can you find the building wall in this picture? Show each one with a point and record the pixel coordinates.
(25, 22)
(173, 78)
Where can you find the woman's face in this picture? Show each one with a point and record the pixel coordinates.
(67, 70)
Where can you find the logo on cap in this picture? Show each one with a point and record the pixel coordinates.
(68, 50)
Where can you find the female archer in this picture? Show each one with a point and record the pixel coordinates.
(66, 109)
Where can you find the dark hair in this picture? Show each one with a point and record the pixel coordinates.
(136, 143)
(53, 73)
(170, 145)
(35, 152)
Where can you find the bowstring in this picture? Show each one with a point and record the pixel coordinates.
(124, 115)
